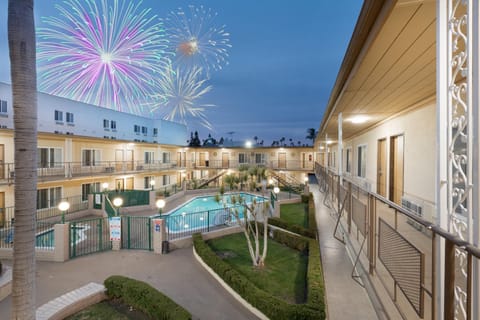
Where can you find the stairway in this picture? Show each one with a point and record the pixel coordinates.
(288, 182)
(203, 184)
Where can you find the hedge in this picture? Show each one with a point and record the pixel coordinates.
(311, 232)
(278, 222)
(269, 305)
(145, 298)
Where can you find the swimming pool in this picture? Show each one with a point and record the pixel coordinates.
(202, 213)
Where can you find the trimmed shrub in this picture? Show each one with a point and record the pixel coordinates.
(145, 298)
(278, 222)
(312, 222)
(316, 288)
(271, 306)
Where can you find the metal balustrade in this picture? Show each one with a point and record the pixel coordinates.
(400, 258)
(62, 170)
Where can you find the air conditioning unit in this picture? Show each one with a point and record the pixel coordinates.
(414, 208)
(12, 174)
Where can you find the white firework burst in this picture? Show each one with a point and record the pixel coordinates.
(196, 40)
(181, 90)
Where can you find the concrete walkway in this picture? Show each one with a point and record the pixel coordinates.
(346, 299)
(176, 274)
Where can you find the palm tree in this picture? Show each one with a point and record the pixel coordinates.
(282, 139)
(21, 43)
(311, 134)
(256, 139)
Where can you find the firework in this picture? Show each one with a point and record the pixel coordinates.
(196, 40)
(181, 90)
(107, 55)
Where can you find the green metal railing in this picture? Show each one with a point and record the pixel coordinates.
(131, 197)
(45, 237)
(111, 211)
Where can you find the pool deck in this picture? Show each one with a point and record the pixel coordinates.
(176, 274)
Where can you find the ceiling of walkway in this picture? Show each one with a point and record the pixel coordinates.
(394, 69)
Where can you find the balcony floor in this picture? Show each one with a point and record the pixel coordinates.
(345, 298)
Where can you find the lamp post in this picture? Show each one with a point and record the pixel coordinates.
(276, 191)
(160, 205)
(105, 186)
(117, 202)
(152, 184)
(63, 207)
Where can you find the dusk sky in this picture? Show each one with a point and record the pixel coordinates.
(283, 63)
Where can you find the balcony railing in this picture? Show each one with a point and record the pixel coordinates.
(62, 170)
(399, 250)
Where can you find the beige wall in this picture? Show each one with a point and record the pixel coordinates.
(418, 127)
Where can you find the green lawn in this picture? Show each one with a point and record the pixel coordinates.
(108, 310)
(284, 275)
(294, 213)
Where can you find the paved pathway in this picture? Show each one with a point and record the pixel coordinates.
(176, 274)
(346, 299)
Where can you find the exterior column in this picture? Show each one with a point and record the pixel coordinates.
(340, 147)
(442, 147)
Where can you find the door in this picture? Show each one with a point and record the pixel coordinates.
(225, 160)
(118, 160)
(129, 160)
(396, 169)
(119, 186)
(282, 160)
(2, 210)
(129, 183)
(2, 161)
(382, 167)
(202, 159)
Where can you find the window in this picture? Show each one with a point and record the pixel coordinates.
(144, 131)
(166, 157)
(348, 159)
(106, 124)
(88, 188)
(149, 157)
(136, 129)
(113, 125)
(69, 117)
(49, 157)
(90, 157)
(361, 161)
(3, 106)
(147, 182)
(242, 158)
(58, 116)
(165, 180)
(155, 132)
(259, 158)
(49, 198)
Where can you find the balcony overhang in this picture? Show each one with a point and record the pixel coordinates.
(389, 66)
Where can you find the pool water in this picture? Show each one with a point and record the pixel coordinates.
(205, 211)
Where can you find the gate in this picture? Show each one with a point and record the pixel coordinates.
(89, 236)
(137, 233)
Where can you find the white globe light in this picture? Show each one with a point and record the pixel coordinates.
(117, 202)
(160, 203)
(64, 206)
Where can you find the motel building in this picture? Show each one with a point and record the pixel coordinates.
(400, 155)
(397, 157)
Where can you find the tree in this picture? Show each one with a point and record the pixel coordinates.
(22, 52)
(248, 217)
(282, 140)
(256, 139)
(311, 134)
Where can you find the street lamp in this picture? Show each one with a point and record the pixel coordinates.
(105, 186)
(152, 183)
(160, 205)
(63, 207)
(117, 202)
